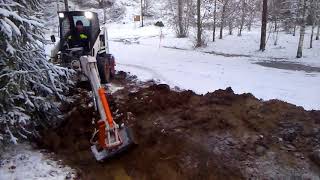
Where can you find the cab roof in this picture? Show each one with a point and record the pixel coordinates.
(76, 13)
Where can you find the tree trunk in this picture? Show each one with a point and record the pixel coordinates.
(146, 6)
(180, 26)
(297, 19)
(301, 39)
(276, 31)
(302, 29)
(242, 17)
(66, 5)
(250, 24)
(312, 32)
(58, 5)
(102, 5)
(199, 40)
(318, 31)
(222, 19)
(104, 13)
(264, 25)
(318, 20)
(251, 18)
(214, 21)
(230, 27)
(142, 13)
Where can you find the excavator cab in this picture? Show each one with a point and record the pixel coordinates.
(80, 34)
(69, 29)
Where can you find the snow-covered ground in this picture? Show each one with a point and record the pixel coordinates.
(140, 51)
(227, 62)
(245, 45)
(175, 62)
(22, 162)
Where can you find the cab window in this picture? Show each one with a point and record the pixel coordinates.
(65, 27)
(85, 21)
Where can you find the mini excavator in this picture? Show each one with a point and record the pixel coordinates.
(83, 47)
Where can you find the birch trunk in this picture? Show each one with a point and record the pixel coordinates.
(180, 26)
(311, 37)
(302, 28)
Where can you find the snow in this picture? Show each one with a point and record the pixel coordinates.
(6, 13)
(21, 162)
(227, 62)
(10, 49)
(247, 44)
(14, 27)
(137, 51)
(112, 88)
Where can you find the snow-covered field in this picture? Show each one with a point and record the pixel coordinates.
(22, 162)
(227, 62)
(175, 62)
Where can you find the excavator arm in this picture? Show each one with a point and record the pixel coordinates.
(112, 139)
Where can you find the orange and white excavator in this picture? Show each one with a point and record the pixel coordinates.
(112, 139)
(92, 60)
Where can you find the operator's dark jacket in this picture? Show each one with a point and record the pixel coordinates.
(79, 39)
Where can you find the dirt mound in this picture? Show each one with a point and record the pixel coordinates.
(183, 135)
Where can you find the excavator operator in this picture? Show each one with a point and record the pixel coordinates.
(79, 38)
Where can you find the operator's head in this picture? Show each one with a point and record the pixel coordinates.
(79, 25)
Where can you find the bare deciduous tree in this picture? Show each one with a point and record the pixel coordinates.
(302, 27)
(243, 16)
(181, 32)
(103, 4)
(314, 16)
(199, 24)
(214, 21)
(264, 25)
(223, 16)
(181, 13)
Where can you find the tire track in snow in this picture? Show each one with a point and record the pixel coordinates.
(155, 75)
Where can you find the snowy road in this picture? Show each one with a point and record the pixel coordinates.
(204, 73)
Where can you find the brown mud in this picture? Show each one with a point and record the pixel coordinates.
(182, 135)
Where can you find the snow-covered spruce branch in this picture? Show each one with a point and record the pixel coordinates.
(30, 86)
(20, 72)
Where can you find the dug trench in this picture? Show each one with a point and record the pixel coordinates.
(182, 135)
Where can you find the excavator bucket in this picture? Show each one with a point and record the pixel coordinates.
(127, 139)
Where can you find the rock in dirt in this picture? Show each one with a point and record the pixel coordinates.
(315, 156)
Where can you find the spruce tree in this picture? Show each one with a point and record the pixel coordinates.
(30, 86)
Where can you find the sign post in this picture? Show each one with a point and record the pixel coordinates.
(161, 36)
(136, 18)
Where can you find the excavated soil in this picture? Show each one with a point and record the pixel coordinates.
(182, 135)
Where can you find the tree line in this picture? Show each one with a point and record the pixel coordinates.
(234, 16)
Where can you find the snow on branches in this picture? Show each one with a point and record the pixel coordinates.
(30, 86)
